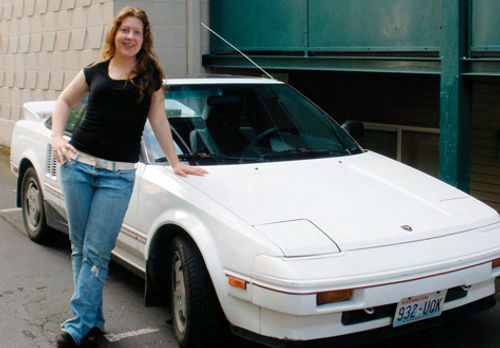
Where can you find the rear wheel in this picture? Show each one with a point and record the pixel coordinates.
(32, 207)
(197, 318)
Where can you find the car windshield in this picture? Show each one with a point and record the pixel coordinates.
(247, 123)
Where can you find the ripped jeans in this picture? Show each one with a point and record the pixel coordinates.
(96, 202)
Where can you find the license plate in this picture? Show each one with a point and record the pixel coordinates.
(417, 308)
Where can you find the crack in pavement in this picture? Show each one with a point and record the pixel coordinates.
(28, 329)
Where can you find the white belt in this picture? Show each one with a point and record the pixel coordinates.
(100, 163)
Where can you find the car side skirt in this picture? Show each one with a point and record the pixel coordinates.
(54, 219)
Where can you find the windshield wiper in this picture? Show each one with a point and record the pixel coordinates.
(301, 152)
(202, 156)
(291, 153)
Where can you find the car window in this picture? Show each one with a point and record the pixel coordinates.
(153, 148)
(76, 115)
(241, 123)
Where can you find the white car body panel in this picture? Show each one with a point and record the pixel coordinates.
(38, 110)
(332, 193)
(247, 219)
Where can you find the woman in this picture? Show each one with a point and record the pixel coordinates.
(98, 163)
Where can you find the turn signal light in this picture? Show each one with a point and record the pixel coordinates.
(238, 283)
(333, 296)
(495, 263)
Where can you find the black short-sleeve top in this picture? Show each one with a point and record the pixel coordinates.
(113, 126)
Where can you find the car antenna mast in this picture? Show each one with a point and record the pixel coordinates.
(237, 50)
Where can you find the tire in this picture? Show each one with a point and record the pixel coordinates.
(32, 207)
(197, 317)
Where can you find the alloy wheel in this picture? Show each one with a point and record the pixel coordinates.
(179, 295)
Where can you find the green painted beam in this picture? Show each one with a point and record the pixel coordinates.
(455, 110)
(406, 65)
(355, 64)
(481, 66)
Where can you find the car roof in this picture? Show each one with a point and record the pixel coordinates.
(220, 80)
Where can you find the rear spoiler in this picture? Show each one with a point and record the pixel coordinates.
(38, 110)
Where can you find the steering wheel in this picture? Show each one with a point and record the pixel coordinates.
(265, 135)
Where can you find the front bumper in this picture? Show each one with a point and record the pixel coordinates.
(347, 321)
(284, 289)
(374, 336)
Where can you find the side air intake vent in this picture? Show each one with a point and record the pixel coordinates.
(51, 162)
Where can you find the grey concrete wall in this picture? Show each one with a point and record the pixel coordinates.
(44, 43)
(176, 24)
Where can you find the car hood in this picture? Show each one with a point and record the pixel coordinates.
(358, 201)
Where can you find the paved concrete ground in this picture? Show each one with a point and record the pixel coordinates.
(36, 286)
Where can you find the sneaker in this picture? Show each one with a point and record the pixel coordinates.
(65, 340)
(93, 338)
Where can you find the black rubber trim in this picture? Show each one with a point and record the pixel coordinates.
(455, 294)
(360, 316)
(372, 335)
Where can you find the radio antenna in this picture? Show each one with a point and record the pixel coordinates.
(237, 50)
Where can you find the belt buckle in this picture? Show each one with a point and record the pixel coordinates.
(101, 163)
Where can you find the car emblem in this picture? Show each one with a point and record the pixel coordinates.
(407, 228)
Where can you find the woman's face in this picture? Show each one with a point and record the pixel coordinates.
(129, 37)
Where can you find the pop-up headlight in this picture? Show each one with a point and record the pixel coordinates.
(298, 238)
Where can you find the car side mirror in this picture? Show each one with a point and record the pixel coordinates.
(354, 128)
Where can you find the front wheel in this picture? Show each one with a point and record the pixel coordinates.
(32, 207)
(197, 317)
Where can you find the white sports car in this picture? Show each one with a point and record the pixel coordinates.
(296, 233)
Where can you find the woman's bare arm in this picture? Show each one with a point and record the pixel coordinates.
(69, 96)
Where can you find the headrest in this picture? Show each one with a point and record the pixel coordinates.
(223, 99)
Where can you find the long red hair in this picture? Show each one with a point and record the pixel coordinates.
(146, 57)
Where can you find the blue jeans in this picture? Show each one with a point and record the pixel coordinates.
(96, 202)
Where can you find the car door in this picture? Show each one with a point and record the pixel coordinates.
(52, 186)
(130, 239)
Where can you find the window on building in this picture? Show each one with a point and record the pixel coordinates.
(415, 146)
